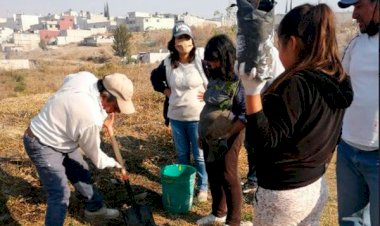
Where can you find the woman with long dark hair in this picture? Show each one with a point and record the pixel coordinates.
(295, 125)
(181, 78)
(220, 131)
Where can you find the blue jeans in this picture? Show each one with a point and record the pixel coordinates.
(55, 169)
(185, 136)
(357, 175)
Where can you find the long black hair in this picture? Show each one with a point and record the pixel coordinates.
(220, 48)
(174, 55)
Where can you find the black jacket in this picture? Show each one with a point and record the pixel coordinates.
(159, 83)
(295, 135)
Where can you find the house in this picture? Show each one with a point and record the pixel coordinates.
(97, 40)
(21, 22)
(14, 64)
(27, 41)
(5, 34)
(140, 21)
(78, 35)
(197, 21)
(66, 22)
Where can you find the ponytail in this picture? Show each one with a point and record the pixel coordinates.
(317, 46)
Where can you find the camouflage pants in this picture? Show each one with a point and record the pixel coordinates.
(301, 206)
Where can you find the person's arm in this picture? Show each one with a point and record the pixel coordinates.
(89, 142)
(286, 109)
(236, 128)
(238, 110)
(158, 79)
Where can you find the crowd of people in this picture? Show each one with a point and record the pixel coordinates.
(290, 125)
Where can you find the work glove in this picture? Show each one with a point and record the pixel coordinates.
(252, 84)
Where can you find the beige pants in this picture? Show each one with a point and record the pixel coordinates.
(301, 206)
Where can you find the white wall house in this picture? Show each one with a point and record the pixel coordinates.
(6, 34)
(139, 21)
(151, 58)
(77, 36)
(14, 64)
(97, 40)
(22, 22)
(26, 41)
(196, 21)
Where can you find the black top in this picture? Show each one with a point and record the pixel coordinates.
(295, 135)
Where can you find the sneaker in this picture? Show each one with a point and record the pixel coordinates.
(103, 212)
(210, 219)
(202, 196)
(249, 187)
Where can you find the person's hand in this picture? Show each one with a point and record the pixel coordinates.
(167, 92)
(251, 83)
(108, 123)
(201, 96)
(117, 165)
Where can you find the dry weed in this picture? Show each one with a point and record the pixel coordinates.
(144, 140)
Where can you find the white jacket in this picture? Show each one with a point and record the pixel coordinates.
(73, 117)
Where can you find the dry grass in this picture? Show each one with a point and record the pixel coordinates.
(144, 140)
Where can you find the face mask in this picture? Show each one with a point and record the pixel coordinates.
(184, 46)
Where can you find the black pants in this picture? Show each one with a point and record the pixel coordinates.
(224, 182)
(251, 175)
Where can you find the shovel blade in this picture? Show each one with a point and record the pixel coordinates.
(138, 216)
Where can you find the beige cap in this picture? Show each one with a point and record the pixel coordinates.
(120, 86)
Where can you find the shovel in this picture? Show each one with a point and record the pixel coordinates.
(137, 215)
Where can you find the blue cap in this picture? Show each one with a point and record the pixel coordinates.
(182, 29)
(347, 3)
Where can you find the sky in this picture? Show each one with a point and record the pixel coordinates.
(202, 8)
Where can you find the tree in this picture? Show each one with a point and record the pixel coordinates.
(121, 41)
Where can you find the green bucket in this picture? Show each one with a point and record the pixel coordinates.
(177, 187)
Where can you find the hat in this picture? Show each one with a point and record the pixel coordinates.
(122, 88)
(347, 3)
(181, 29)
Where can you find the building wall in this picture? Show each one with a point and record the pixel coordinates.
(5, 34)
(77, 36)
(25, 21)
(197, 21)
(14, 64)
(154, 23)
(66, 22)
(26, 41)
(47, 35)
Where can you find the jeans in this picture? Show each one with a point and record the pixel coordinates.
(251, 175)
(357, 175)
(185, 136)
(55, 169)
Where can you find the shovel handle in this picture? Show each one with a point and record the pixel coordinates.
(119, 158)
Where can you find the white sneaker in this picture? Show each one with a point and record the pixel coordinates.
(202, 196)
(209, 219)
(102, 213)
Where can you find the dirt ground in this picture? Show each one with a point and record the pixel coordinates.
(144, 140)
